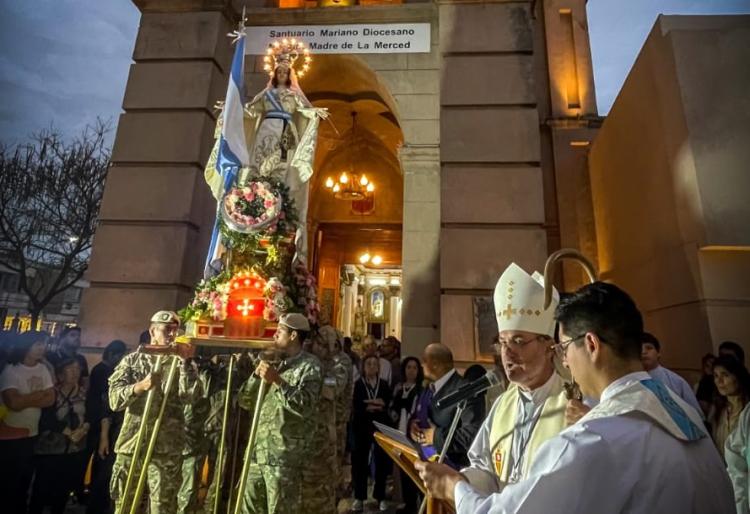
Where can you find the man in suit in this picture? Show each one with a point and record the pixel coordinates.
(430, 425)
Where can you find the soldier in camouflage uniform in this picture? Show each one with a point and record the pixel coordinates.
(286, 425)
(343, 372)
(212, 426)
(196, 447)
(319, 490)
(132, 379)
(203, 423)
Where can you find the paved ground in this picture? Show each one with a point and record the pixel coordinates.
(343, 507)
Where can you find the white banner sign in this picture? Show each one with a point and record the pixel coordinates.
(345, 39)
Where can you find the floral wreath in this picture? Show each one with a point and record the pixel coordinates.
(251, 208)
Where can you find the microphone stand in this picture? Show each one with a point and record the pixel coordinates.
(451, 432)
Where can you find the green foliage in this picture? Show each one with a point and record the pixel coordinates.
(266, 252)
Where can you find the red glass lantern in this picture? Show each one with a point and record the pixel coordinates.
(245, 306)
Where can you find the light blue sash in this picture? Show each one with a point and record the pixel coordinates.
(278, 111)
(678, 415)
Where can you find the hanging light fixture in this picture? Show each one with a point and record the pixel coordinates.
(374, 260)
(351, 186)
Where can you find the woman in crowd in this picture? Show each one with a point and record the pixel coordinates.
(26, 387)
(371, 398)
(100, 417)
(61, 446)
(733, 387)
(705, 388)
(403, 405)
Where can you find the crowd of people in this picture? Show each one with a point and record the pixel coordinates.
(54, 421)
(582, 396)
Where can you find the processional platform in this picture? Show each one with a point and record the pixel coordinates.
(208, 346)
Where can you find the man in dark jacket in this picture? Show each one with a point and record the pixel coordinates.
(430, 425)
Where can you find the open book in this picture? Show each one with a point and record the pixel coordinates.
(400, 437)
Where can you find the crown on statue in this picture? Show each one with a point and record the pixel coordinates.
(289, 53)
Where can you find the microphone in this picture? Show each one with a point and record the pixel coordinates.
(468, 391)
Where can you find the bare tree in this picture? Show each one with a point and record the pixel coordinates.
(50, 192)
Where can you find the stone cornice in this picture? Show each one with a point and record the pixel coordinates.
(418, 153)
(402, 13)
(262, 16)
(165, 6)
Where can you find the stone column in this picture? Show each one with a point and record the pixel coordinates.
(414, 82)
(395, 318)
(492, 182)
(569, 109)
(350, 300)
(421, 247)
(157, 212)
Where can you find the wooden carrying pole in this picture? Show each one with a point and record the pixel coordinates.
(220, 459)
(139, 441)
(154, 436)
(250, 444)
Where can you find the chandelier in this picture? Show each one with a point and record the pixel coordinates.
(351, 186)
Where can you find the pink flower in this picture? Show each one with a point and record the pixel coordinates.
(268, 204)
(249, 196)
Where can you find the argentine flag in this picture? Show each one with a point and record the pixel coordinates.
(230, 152)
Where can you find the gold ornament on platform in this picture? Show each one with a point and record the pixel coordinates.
(290, 53)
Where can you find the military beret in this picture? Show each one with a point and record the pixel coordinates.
(295, 321)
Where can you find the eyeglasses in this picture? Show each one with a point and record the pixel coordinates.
(515, 343)
(561, 348)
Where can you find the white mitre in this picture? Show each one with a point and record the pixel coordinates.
(519, 302)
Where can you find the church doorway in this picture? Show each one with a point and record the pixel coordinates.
(356, 199)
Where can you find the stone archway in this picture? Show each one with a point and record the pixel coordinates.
(396, 97)
(361, 136)
(345, 85)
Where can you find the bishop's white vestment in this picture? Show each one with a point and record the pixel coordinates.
(642, 449)
(516, 427)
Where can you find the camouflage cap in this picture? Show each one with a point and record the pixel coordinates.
(166, 317)
(295, 321)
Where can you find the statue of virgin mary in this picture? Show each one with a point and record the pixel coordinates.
(281, 128)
